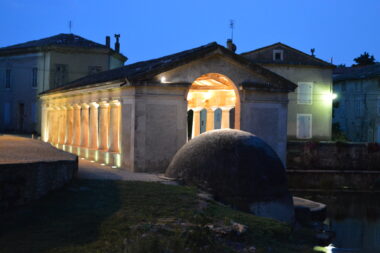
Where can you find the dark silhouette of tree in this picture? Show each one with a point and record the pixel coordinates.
(364, 59)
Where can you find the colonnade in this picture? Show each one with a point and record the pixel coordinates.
(94, 125)
(206, 119)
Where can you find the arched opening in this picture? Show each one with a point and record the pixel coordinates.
(213, 102)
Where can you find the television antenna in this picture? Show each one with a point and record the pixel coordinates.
(232, 26)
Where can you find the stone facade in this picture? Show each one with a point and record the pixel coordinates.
(142, 122)
(315, 75)
(34, 67)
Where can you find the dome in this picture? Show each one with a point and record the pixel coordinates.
(237, 167)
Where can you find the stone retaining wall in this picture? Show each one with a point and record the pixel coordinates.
(333, 156)
(334, 180)
(22, 182)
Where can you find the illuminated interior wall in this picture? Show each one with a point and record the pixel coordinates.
(214, 103)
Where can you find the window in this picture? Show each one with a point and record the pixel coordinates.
(304, 122)
(343, 86)
(8, 79)
(7, 113)
(33, 112)
(358, 107)
(94, 69)
(61, 74)
(305, 93)
(34, 77)
(278, 55)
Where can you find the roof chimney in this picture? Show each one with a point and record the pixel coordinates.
(108, 41)
(117, 44)
(231, 46)
(312, 52)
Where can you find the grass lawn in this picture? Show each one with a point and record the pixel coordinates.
(133, 217)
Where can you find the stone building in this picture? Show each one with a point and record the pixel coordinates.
(357, 108)
(310, 105)
(137, 116)
(32, 67)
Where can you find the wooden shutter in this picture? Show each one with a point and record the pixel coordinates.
(304, 122)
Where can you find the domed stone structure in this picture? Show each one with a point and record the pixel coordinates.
(239, 169)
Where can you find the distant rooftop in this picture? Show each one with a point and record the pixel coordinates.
(146, 70)
(294, 56)
(354, 73)
(62, 40)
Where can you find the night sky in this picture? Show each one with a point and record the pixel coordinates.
(342, 29)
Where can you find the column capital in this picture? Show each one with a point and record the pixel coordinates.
(197, 109)
(76, 107)
(226, 108)
(85, 106)
(115, 103)
(94, 104)
(103, 104)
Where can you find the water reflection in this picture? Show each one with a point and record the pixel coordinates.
(355, 218)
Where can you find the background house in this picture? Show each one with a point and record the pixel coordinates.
(310, 105)
(30, 68)
(357, 108)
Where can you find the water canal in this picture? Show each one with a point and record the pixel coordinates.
(355, 219)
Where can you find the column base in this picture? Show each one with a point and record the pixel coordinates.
(94, 155)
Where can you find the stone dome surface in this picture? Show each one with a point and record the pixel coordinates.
(237, 167)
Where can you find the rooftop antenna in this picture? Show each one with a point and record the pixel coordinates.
(232, 25)
(70, 25)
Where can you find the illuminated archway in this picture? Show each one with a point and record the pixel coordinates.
(213, 102)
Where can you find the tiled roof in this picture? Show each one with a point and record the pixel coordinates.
(294, 57)
(352, 73)
(146, 70)
(62, 40)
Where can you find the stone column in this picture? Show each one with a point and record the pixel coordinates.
(44, 121)
(196, 122)
(103, 125)
(62, 125)
(210, 119)
(114, 126)
(70, 125)
(94, 125)
(77, 126)
(84, 126)
(55, 129)
(50, 124)
(226, 116)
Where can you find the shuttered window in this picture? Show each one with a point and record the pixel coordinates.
(305, 93)
(7, 113)
(304, 123)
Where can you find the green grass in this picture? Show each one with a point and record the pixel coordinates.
(114, 216)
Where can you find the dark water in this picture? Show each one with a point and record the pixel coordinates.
(355, 219)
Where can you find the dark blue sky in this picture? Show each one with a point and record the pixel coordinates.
(342, 29)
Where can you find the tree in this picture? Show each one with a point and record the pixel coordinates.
(364, 59)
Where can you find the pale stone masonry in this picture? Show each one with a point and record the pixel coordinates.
(138, 116)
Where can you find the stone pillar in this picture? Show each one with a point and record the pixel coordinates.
(103, 125)
(84, 126)
(62, 125)
(196, 122)
(77, 126)
(94, 125)
(210, 119)
(70, 125)
(226, 117)
(44, 121)
(50, 124)
(114, 126)
(55, 129)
